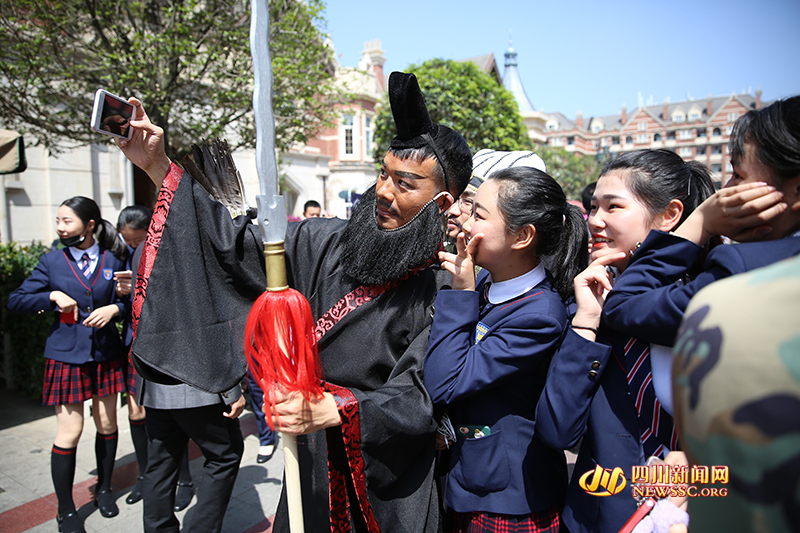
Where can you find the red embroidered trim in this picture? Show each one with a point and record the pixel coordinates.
(347, 404)
(351, 301)
(153, 240)
(358, 297)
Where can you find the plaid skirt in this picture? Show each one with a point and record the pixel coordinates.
(66, 383)
(130, 375)
(544, 521)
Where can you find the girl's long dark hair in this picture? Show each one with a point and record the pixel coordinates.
(104, 231)
(529, 196)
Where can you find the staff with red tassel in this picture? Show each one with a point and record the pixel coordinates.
(280, 343)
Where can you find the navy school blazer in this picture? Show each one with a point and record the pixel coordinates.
(496, 382)
(587, 396)
(648, 301)
(58, 271)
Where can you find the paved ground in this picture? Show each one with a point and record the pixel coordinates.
(27, 501)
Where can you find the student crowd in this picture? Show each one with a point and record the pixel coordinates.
(455, 375)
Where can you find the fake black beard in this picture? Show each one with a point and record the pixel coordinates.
(374, 256)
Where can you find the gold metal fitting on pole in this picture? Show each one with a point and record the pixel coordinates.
(274, 256)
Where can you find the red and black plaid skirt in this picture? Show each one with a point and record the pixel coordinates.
(130, 376)
(544, 521)
(66, 383)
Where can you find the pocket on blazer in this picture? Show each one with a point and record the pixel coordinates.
(482, 464)
(63, 337)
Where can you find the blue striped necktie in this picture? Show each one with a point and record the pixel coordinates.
(85, 265)
(656, 426)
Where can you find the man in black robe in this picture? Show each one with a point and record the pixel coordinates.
(367, 447)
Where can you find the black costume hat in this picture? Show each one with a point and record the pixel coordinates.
(415, 129)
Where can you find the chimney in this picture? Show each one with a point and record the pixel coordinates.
(665, 112)
(709, 106)
(758, 98)
(579, 120)
(624, 117)
(372, 56)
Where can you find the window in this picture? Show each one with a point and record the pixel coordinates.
(596, 144)
(678, 117)
(614, 140)
(686, 134)
(657, 137)
(701, 132)
(570, 141)
(557, 141)
(348, 134)
(716, 131)
(728, 130)
(628, 140)
(641, 138)
(694, 115)
(716, 167)
(643, 126)
(597, 127)
(685, 151)
(670, 135)
(552, 125)
(701, 150)
(367, 135)
(732, 116)
(716, 149)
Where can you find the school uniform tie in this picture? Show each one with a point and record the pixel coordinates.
(85, 265)
(656, 426)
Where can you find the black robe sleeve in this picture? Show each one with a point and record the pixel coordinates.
(201, 272)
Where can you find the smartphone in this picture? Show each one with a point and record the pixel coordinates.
(112, 115)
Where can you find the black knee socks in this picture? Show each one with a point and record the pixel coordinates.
(105, 448)
(62, 468)
(139, 438)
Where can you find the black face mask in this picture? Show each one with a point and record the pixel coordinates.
(72, 241)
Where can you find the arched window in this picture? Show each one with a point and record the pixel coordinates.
(657, 137)
(716, 131)
(628, 140)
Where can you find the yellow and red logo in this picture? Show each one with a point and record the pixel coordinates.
(603, 481)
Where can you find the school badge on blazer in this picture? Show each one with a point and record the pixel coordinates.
(108, 273)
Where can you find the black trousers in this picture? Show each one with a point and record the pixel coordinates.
(220, 440)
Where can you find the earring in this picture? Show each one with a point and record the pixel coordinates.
(638, 244)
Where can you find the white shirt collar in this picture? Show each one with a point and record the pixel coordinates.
(503, 291)
(93, 251)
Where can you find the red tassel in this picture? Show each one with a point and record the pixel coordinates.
(281, 347)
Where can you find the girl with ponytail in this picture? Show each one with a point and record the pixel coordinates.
(76, 284)
(490, 346)
(602, 388)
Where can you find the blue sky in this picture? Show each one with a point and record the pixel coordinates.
(591, 56)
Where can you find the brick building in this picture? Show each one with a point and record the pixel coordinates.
(695, 129)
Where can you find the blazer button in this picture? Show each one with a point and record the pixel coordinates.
(592, 373)
(89, 309)
(596, 365)
(88, 293)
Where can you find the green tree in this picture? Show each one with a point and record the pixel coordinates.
(572, 171)
(462, 97)
(187, 60)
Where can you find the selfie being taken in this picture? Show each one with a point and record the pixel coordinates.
(441, 274)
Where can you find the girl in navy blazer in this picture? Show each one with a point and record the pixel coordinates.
(82, 352)
(759, 207)
(490, 346)
(591, 395)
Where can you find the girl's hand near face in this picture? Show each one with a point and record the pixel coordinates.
(461, 265)
(740, 212)
(591, 287)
